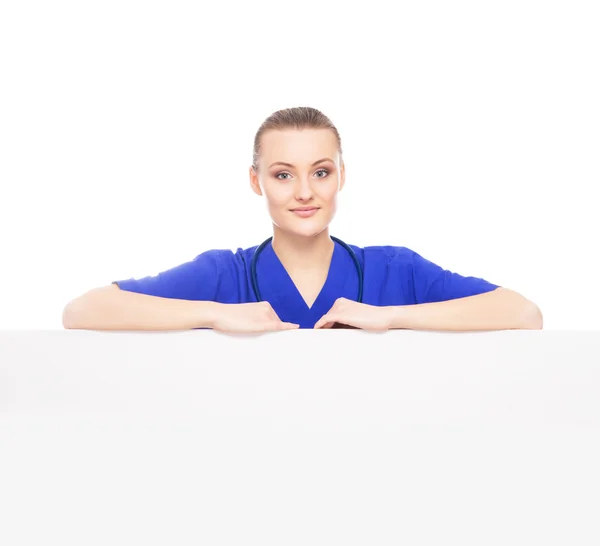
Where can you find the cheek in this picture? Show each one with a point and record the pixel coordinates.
(329, 192)
(277, 196)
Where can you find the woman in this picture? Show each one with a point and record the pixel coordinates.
(302, 277)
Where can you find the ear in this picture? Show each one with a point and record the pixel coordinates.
(254, 182)
(342, 175)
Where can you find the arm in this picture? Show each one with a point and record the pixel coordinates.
(180, 298)
(109, 308)
(500, 309)
(446, 300)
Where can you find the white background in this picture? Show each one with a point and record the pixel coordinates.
(470, 134)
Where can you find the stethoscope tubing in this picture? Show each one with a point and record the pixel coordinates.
(254, 280)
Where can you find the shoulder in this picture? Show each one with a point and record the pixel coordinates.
(225, 257)
(390, 252)
(388, 255)
(228, 265)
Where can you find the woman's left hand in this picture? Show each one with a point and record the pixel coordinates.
(357, 315)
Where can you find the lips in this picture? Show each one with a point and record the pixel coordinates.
(305, 212)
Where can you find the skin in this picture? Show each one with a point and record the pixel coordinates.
(303, 245)
(300, 241)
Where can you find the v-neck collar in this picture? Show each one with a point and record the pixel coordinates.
(279, 289)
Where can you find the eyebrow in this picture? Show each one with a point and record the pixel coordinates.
(290, 165)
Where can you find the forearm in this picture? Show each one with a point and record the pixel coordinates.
(501, 309)
(123, 310)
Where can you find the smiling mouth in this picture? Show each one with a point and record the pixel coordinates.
(305, 212)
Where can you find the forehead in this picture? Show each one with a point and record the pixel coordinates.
(298, 145)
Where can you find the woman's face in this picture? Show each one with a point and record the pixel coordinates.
(311, 179)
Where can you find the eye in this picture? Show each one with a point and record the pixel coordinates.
(283, 173)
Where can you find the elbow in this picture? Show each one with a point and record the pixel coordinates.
(524, 314)
(67, 317)
(533, 318)
(73, 312)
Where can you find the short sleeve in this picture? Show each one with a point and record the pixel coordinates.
(432, 283)
(194, 280)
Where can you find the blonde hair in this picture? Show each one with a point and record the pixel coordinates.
(301, 117)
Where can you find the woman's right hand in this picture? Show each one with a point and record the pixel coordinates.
(249, 317)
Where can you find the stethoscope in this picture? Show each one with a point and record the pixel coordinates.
(340, 242)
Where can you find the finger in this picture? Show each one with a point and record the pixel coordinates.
(288, 326)
(319, 324)
(324, 321)
(345, 326)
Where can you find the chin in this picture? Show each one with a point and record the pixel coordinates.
(304, 227)
(307, 230)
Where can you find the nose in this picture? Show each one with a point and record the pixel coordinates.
(304, 190)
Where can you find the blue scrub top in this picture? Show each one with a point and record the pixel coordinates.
(393, 275)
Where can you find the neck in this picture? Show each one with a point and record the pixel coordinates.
(300, 252)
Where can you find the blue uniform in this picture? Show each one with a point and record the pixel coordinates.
(393, 275)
